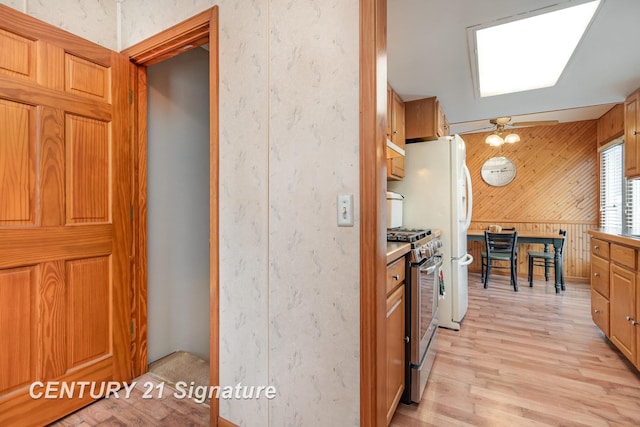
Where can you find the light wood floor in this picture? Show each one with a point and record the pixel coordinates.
(531, 358)
(165, 410)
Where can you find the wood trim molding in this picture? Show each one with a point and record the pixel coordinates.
(173, 41)
(224, 423)
(214, 227)
(139, 203)
(373, 84)
(194, 32)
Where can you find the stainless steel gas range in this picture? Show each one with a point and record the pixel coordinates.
(421, 323)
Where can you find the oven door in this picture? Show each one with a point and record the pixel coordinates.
(424, 307)
(425, 289)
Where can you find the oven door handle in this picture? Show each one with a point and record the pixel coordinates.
(427, 267)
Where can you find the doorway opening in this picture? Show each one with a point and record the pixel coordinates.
(173, 235)
(178, 217)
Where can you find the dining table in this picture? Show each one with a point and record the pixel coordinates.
(536, 237)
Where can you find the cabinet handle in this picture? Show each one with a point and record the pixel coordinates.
(396, 277)
(596, 311)
(635, 132)
(596, 248)
(632, 320)
(395, 132)
(406, 339)
(596, 274)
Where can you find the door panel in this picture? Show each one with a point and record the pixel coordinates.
(65, 226)
(86, 78)
(17, 163)
(88, 291)
(17, 323)
(16, 54)
(87, 143)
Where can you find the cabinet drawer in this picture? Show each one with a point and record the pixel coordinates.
(600, 311)
(395, 274)
(600, 276)
(623, 255)
(600, 248)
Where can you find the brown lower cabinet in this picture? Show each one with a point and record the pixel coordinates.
(615, 294)
(395, 333)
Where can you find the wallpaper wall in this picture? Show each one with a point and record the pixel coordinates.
(95, 20)
(289, 136)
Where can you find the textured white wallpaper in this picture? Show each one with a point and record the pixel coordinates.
(314, 265)
(94, 20)
(20, 5)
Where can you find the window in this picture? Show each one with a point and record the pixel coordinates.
(632, 206)
(611, 186)
(619, 197)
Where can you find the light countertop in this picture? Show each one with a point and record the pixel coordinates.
(397, 249)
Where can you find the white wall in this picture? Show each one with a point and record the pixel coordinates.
(94, 20)
(178, 205)
(289, 134)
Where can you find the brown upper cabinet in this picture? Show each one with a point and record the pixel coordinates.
(631, 137)
(425, 120)
(611, 124)
(395, 132)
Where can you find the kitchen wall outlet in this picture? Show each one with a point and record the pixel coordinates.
(345, 210)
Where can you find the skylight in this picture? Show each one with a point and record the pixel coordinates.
(529, 53)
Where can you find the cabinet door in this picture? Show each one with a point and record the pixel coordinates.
(443, 125)
(600, 276)
(611, 124)
(389, 110)
(622, 306)
(636, 326)
(600, 311)
(395, 350)
(395, 166)
(631, 149)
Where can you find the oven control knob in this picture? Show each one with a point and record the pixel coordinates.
(425, 251)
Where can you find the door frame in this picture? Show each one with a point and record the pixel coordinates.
(373, 187)
(189, 34)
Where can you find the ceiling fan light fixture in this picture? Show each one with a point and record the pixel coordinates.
(494, 140)
(512, 138)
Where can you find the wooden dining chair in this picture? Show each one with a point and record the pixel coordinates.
(548, 260)
(500, 248)
(496, 249)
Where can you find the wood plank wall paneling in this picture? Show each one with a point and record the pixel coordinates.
(556, 186)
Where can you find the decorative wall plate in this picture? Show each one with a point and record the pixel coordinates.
(498, 171)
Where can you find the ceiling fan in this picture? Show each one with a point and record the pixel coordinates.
(503, 125)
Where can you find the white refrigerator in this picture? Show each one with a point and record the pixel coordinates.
(437, 195)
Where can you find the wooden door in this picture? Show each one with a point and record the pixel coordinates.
(65, 226)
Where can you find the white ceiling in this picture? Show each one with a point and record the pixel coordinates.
(428, 55)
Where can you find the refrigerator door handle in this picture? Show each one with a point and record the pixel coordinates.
(465, 260)
(467, 223)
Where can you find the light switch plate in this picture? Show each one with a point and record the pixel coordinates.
(345, 210)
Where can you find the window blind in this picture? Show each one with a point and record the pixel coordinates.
(611, 186)
(632, 206)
